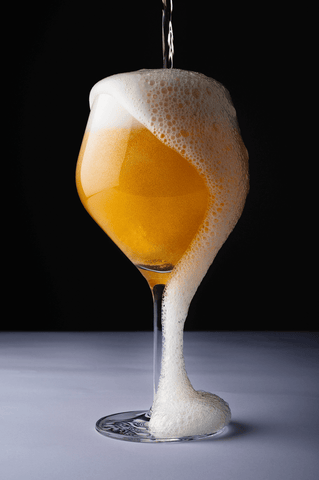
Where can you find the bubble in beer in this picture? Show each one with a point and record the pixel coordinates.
(193, 115)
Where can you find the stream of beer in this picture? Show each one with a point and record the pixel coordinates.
(167, 33)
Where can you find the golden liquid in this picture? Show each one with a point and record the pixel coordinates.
(147, 198)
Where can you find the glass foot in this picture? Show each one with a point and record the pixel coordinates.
(133, 427)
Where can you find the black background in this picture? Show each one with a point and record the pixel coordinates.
(64, 273)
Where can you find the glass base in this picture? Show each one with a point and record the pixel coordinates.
(133, 427)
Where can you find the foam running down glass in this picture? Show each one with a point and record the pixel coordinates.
(164, 172)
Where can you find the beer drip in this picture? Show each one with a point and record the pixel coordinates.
(167, 33)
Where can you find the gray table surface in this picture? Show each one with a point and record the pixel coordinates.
(54, 386)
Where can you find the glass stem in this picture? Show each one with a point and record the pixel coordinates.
(157, 292)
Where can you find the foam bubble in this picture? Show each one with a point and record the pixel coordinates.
(194, 115)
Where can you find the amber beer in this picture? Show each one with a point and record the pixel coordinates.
(147, 198)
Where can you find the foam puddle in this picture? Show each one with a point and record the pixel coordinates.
(194, 115)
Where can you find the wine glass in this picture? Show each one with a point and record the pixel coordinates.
(163, 170)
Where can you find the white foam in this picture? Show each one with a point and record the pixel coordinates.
(109, 114)
(194, 115)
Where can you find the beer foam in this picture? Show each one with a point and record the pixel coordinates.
(194, 115)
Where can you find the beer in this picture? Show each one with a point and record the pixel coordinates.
(152, 200)
(164, 171)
